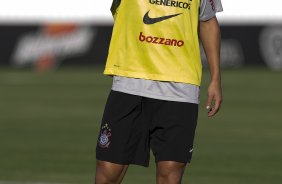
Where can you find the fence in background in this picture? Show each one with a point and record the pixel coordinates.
(53, 45)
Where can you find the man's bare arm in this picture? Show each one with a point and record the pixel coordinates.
(210, 37)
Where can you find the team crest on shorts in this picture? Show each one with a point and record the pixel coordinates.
(104, 139)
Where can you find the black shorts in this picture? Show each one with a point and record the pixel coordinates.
(131, 125)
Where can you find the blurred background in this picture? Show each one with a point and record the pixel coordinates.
(52, 95)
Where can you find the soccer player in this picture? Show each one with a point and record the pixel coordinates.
(154, 58)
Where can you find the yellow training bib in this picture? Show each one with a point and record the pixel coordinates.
(156, 40)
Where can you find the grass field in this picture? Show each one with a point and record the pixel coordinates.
(49, 124)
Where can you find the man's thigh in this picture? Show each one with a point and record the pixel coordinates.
(107, 172)
(170, 172)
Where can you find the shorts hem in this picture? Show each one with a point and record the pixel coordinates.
(124, 162)
(173, 160)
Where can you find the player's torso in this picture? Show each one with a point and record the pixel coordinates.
(161, 32)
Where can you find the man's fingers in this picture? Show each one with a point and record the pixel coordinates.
(209, 103)
(215, 108)
(213, 111)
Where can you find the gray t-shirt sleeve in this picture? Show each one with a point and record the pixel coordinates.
(208, 9)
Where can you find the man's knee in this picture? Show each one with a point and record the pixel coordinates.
(169, 172)
(109, 173)
(104, 179)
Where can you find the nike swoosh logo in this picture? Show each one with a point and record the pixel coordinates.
(148, 20)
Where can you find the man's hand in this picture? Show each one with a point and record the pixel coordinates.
(214, 98)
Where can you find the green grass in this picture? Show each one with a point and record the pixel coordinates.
(49, 124)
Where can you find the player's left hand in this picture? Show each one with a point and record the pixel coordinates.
(214, 98)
